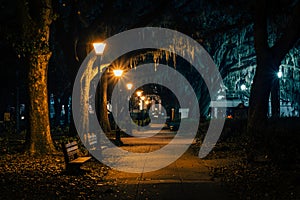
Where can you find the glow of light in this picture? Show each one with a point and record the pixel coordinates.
(139, 93)
(22, 117)
(243, 87)
(279, 74)
(99, 48)
(129, 86)
(118, 72)
(143, 98)
(220, 97)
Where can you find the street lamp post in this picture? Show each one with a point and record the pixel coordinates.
(99, 49)
(18, 106)
(142, 109)
(243, 89)
(139, 94)
(129, 87)
(129, 128)
(118, 73)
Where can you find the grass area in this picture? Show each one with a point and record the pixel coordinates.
(25, 177)
(275, 172)
(262, 179)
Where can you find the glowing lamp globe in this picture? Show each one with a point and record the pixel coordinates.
(129, 86)
(243, 87)
(118, 72)
(99, 48)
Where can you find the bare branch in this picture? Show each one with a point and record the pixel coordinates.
(290, 37)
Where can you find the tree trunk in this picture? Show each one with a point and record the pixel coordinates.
(268, 61)
(259, 98)
(275, 99)
(265, 79)
(35, 19)
(103, 112)
(261, 87)
(40, 137)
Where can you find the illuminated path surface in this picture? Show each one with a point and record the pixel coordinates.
(186, 178)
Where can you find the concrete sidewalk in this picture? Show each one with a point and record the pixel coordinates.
(186, 178)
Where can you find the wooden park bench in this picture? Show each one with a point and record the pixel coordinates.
(72, 156)
(92, 141)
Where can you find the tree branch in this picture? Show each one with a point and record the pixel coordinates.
(260, 28)
(290, 37)
(154, 14)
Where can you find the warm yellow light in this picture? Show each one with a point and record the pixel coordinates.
(139, 93)
(118, 72)
(99, 48)
(129, 86)
(143, 98)
(146, 102)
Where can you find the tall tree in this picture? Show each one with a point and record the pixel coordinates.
(35, 18)
(268, 62)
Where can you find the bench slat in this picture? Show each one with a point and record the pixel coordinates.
(74, 148)
(93, 142)
(92, 139)
(72, 158)
(71, 144)
(80, 160)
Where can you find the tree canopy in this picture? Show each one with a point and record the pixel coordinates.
(236, 34)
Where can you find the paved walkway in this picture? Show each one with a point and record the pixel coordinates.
(186, 178)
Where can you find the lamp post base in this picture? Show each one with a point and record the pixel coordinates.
(118, 138)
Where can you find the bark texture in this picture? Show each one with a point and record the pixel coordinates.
(35, 21)
(40, 137)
